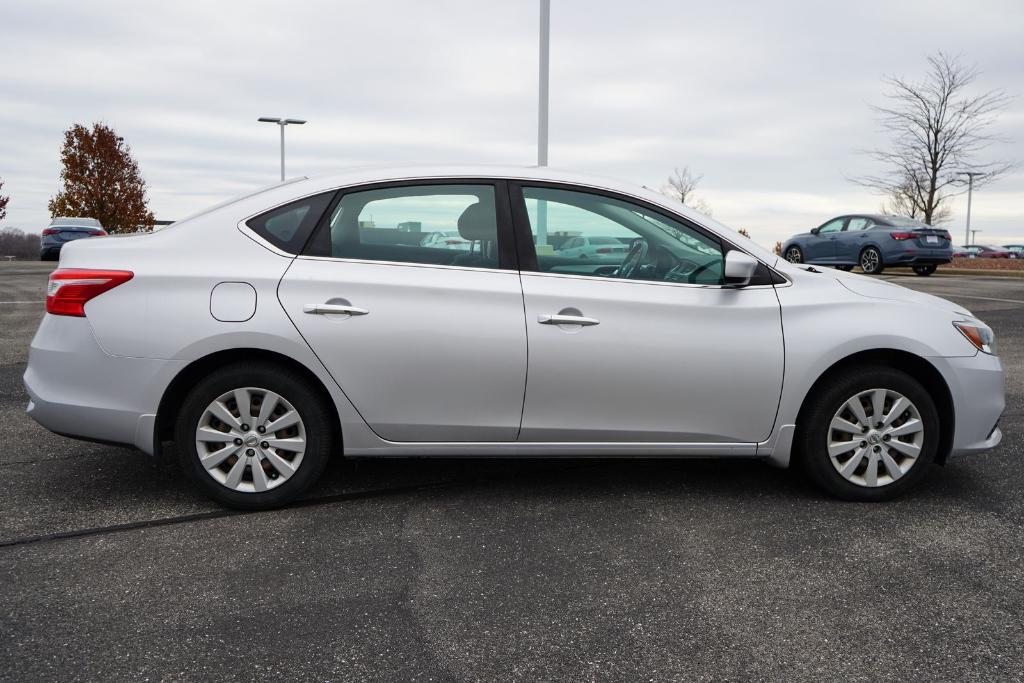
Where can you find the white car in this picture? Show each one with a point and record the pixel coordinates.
(588, 248)
(275, 331)
(446, 240)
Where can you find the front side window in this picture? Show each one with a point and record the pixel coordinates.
(288, 227)
(587, 234)
(832, 226)
(452, 225)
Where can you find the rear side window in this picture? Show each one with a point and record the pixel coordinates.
(288, 227)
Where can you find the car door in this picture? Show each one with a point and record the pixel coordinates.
(649, 349)
(852, 239)
(428, 343)
(821, 246)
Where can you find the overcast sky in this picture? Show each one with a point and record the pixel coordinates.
(769, 100)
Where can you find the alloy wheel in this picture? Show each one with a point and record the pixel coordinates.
(793, 255)
(869, 260)
(875, 437)
(250, 440)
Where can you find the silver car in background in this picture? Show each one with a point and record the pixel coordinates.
(267, 334)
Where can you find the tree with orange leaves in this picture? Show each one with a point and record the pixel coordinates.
(101, 180)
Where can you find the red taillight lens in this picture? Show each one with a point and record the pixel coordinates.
(50, 231)
(70, 289)
(99, 233)
(946, 236)
(900, 236)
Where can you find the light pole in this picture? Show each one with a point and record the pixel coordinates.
(970, 190)
(281, 123)
(542, 112)
(974, 236)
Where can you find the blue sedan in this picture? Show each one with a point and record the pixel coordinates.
(872, 242)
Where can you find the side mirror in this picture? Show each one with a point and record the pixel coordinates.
(739, 268)
(815, 231)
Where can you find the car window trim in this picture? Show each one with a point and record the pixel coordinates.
(528, 256)
(507, 260)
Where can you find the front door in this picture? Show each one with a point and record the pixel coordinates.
(821, 248)
(427, 342)
(646, 346)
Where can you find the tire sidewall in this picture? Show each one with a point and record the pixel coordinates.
(799, 252)
(291, 388)
(813, 434)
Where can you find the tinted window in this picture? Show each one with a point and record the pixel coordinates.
(623, 240)
(856, 224)
(453, 225)
(288, 227)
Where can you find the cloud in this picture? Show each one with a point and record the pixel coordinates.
(768, 100)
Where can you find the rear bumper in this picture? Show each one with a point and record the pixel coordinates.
(78, 390)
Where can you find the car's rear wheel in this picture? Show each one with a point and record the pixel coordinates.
(794, 255)
(253, 436)
(871, 261)
(925, 270)
(869, 434)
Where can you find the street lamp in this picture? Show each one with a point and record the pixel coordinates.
(970, 190)
(542, 112)
(282, 123)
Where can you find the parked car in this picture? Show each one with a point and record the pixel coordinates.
(64, 230)
(1016, 250)
(446, 240)
(987, 251)
(265, 336)
(594, 248)
(872, 242)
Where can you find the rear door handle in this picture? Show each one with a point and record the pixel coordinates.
(567, 320)
(325, 309)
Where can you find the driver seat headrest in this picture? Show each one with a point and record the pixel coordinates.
(477, 223)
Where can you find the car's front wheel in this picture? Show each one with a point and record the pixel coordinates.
(869, 434)
(925, 270)
(871, 261)
(253, 436)
(794, 255)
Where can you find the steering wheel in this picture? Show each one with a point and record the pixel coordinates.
(634, 258)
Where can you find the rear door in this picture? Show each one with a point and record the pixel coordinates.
(852, 239)
(428, 343)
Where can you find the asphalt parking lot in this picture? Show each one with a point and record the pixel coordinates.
(113, 567)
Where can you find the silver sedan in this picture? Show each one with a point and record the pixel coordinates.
(304, 321)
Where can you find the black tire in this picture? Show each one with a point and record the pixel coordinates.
(845, 269)
(812, 434)
(317, 421)
(794, 254)
(925, 270)
(870, 261)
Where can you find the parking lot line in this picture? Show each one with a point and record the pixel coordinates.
(12, 303)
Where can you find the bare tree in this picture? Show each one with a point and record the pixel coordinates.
(3, 202)
(680, 186)
(937, 130)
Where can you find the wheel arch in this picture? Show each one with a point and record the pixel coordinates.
(917, 367)
(170, 402)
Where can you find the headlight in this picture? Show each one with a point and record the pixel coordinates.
(979, 335)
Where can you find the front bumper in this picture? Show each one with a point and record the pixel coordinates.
(78, 390)
(977, 388)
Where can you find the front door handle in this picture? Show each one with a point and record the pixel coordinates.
(567, 320)
(327, 309)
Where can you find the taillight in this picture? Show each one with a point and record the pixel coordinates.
(946, 236)
(70, 289)
(99, 233)
(51, 231)
(900, 236)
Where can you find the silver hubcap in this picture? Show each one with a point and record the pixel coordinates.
(875, 437)
(250, 440)
(869, 261)
(793, 255)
